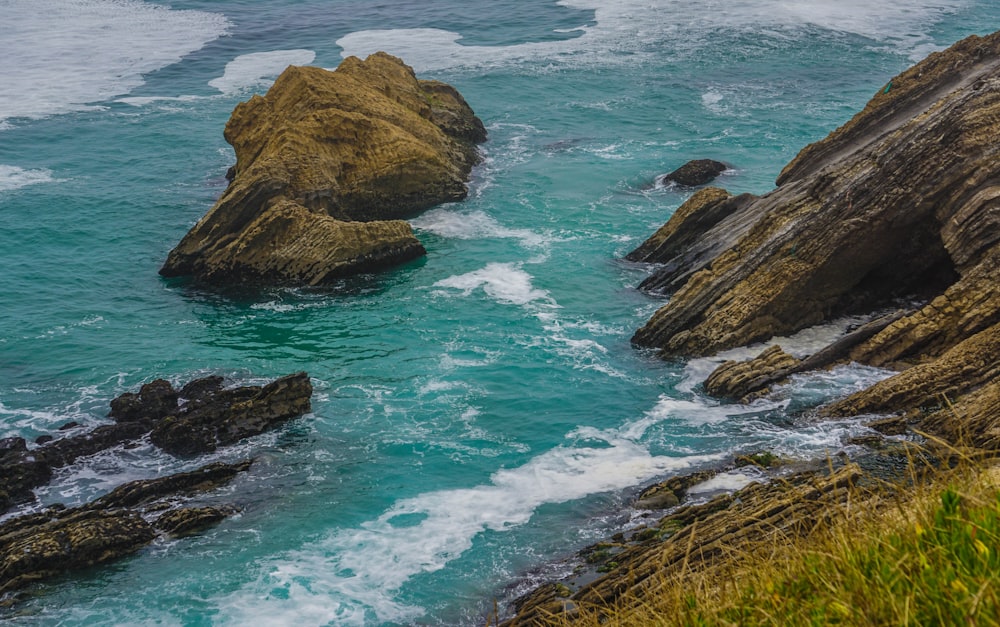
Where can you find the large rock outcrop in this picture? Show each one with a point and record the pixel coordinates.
(326, 164)
(903, 201)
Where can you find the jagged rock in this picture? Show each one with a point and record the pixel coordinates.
(896, 202)
(10, 446)
(234, 415)
(696, 172)
(71, 542)
(736, 379)
(326, 163)
(760, 459)
(967, 366)
(156, 399)
(201, 390)
(209, 417)
(701, 228)
(189, 520)
(893, 425)
(670, 492)
(900, 202)
(18, 477)
(973, 420)
(59, 540)
(143, 491)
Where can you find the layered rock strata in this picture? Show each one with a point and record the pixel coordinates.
(326, 164)
(58, 540)
(198, 418)
(900, 202)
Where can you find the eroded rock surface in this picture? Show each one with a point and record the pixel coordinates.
(198, 418)
(60, 540)
(326, 163)
(900, 202)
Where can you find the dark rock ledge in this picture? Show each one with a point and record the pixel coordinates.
(198, 418)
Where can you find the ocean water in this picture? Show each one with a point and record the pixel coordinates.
(479, 414)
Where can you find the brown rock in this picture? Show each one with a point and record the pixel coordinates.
(700, 229)
(736, 379)
(899, 201)
(59, 540)
(321, 160)
(964, 368)
(189, 520)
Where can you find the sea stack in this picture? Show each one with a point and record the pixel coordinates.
(902, 202)
(327, 164)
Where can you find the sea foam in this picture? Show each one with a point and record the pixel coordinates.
(631, 26)
(13, 177)
(251, 70)
(63, 56)
(355, 573)
(506, 283)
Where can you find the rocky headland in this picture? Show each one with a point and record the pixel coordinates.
(327, 164)
(197, 418)
(896, 216)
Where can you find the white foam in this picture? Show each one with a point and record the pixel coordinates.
(257, 68)
(141, 101)
(504, 282)
(800, 344)
(360, 569)
(684, 26)
(13, 177)
(723, 482)
(476, 224)
(61, 56)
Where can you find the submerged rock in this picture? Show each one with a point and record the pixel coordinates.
(696, 172)
(326, 164)
(900, 202)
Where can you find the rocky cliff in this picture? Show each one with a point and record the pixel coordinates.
(902, 202)
(326, 164)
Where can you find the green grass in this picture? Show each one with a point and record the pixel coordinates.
(931, 559)
(941, 569)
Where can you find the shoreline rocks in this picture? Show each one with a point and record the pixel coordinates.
(899, 203)
(327, 165)
(58, 540)
(198, 418)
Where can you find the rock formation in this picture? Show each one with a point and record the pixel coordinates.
(900, 202)
(59, 540)
(694, 173)
(198, 418)
(326, 163)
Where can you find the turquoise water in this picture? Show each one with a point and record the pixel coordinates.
(479, 414)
